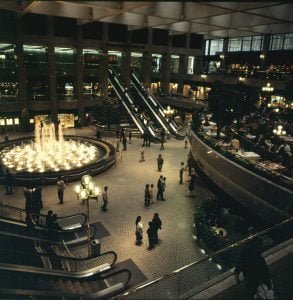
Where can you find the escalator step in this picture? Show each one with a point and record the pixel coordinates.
(86, 287)
(95, 286)
(77, 287)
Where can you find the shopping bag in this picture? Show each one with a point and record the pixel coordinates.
(264, 293)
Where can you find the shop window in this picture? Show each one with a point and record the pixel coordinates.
(190, 64)
(216, 46)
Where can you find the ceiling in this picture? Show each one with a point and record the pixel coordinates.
(212, 19)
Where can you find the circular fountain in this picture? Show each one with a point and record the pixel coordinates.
(49, 155)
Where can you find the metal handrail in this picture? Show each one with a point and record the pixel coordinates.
(215, 254)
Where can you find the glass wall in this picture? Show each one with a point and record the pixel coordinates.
(91, 59)
(8, 74)
(36, 64)
(234, 45)
(66, 70)
(257, 43)
(174, 64)
(281, 41)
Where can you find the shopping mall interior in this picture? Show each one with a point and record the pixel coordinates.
(157, 135)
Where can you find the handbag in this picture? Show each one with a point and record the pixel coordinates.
(263, 292)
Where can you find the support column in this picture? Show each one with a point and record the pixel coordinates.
(104, 64)
(182, 72)
(166, 70)
(21, 72)
(265, 51)
(52, 70)
(126, 67)
(225, 52)
(147, 61)
(79, 73)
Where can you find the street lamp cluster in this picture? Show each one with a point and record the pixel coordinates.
(268, 88)
(279, 130)
(86, 191)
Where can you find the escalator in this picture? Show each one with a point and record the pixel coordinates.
(155, 109)
(72, 230)
(138, 114)
(22, 281)
(126, 101)
(35, 271)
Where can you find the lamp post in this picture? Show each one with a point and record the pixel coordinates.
(86, 191)
(268, 89)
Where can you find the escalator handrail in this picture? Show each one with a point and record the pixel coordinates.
(43, 215)
(61, 232)
(37, 254)
(95, 295)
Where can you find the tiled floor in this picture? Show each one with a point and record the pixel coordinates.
(126, 183)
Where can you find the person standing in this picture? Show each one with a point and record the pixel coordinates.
(191, 185)
(162, 145)
(117, 144)
(142, 153)
(157, 225)
(160, 162)
(185, 141)
(28, 195)
(153, 200)
(254, 268)
(160, 193)
(60, 189)
(37, 204)
(129, 136)
(124, 142)
(8, 182)
(151, 236)
(138, 230)
(105, 199)
(181, 171)
(147, 196)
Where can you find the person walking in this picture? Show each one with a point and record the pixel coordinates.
(160, 162)
(151, 236)
(162, 144)
(8, 180)
(60, 189)
(164, 186)
(153, 200)
(142, 153)
(105, 199)
(28, 195)
(160, 193)
(147, 196)
(181, 171)
(138, 231)
(157, 225)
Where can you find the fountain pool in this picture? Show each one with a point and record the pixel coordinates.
(50, 154)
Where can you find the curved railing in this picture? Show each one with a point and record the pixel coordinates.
(276, 177)
(190, 279)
